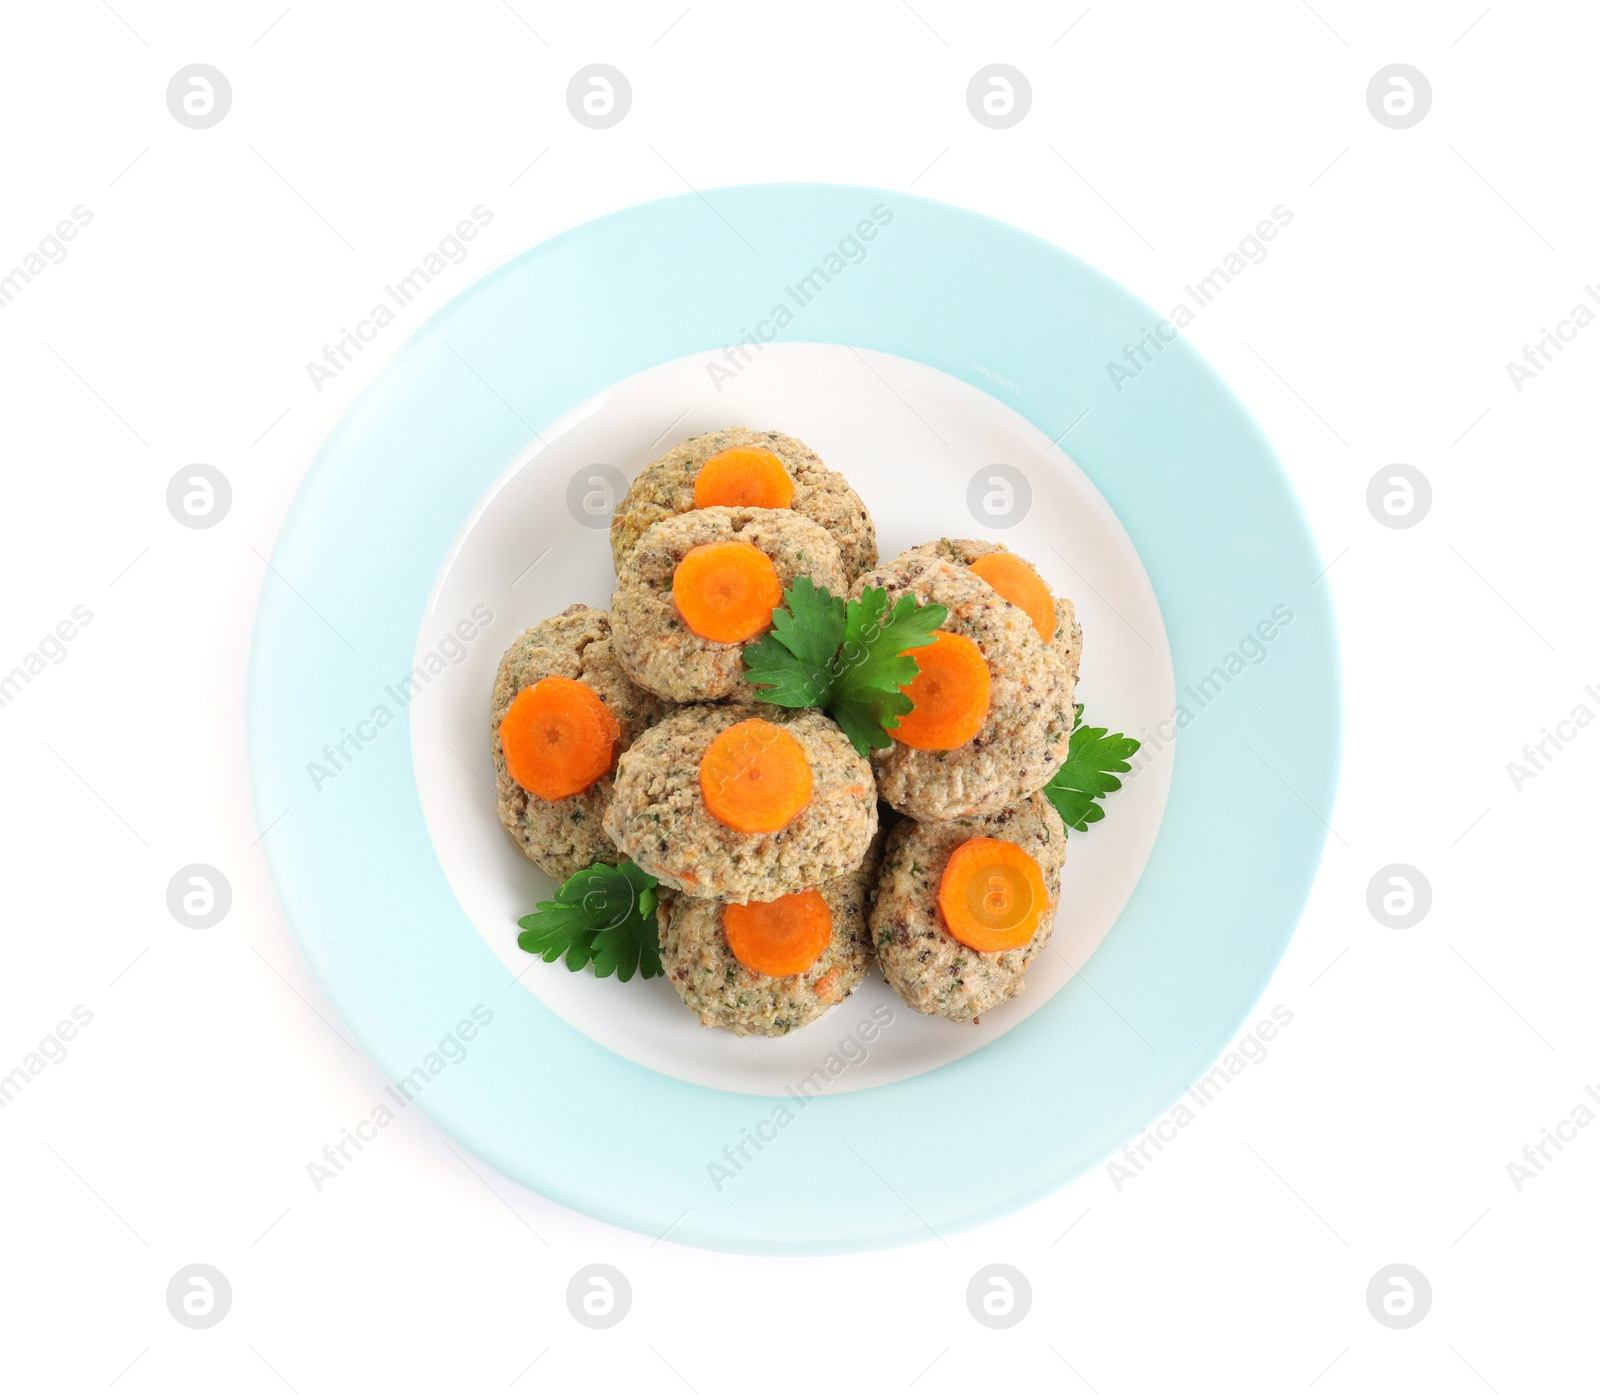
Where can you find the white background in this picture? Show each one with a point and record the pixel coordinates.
(1419, 1063)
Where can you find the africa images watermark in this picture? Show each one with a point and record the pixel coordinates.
(1249, 1050)
(1540, 354)
(1250, 652)
(337, 755)
(851, 1051)
(50, 1051)
(1537, 755)
(450, 250)
(850, 250)
(993, 377)
(1250, 251)
(450, 1051)
(1536, 1156)
(52, 648)
(51, 250)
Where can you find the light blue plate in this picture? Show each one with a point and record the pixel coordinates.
(1221, 535)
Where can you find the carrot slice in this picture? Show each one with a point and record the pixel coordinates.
(781, 937)
(726, 591)
(1015, 580)
(992, 895)
(949, 695)
(558, 738)
(827, 987)
(743, 477)
(754, 777)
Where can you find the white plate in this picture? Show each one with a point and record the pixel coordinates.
(912, 441)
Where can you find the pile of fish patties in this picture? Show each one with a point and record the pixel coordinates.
(633, 733)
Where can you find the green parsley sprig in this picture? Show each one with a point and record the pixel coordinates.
(849, 660)
(1086, 778)
(603, 915)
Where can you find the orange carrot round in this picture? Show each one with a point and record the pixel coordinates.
(992, 895)
(558, 738)
(781, 937)
(726, 591)
(949, 695)
(1018, 583)
(743, 477)
(754, 777)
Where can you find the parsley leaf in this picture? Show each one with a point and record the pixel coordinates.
(1086, 777)
(605, 915)
(848, 660)
(873, 656)
(812, 622)
(872, 666)
(794, 661)
(868, 716)
(785, 678)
